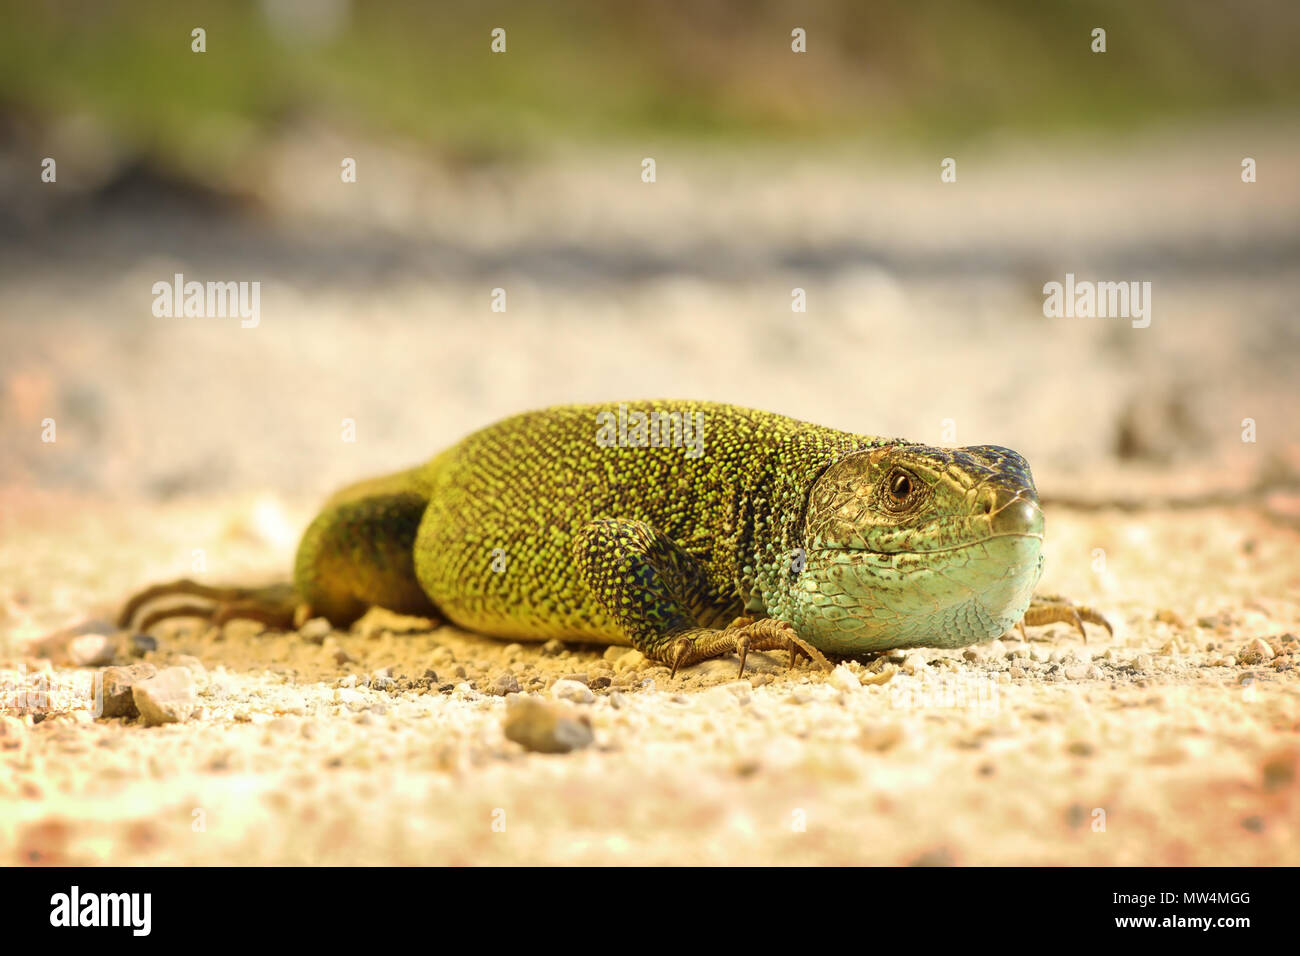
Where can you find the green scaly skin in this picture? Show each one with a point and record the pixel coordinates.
(780, 535)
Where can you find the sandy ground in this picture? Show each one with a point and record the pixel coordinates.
(1168, 744)
(1173, 742)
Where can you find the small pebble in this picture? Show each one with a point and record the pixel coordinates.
(727, 694)
(1281, 769)
(880, 738)
(881, 677)
(545, 727)
(91, 650)
(194, 666)
(166, 698)
(1256, 652)
(352, 699)
(507, 683)
(119, 701)
(571, 690)
(315, 631)
(628, 660)
(844, 679)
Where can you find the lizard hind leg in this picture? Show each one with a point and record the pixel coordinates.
(356, 554)
(275, 605)
(659, 595)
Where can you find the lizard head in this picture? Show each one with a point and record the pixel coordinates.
(908, 545)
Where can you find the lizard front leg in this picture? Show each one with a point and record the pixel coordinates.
(1052, 609)
(658, 594)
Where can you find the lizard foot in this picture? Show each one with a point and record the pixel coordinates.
(1052, 608)
(762, 635)
(275, 606)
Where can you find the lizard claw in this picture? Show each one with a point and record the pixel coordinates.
(742, 648)
(799, 646)
(764, 634)
(681, 653)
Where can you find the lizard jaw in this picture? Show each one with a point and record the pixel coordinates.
(853, 600)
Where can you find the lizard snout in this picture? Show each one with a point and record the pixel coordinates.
(1013, 512)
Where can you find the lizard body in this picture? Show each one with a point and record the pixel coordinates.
(687, 529)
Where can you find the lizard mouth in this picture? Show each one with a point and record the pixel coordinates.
(859, 549)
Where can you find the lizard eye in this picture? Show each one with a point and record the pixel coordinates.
(900, 486)
(899, 491)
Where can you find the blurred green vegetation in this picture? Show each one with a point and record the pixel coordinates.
(590, 71)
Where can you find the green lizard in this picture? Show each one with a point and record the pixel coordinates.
(689, 530)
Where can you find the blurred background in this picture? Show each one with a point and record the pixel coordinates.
(522, 171)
